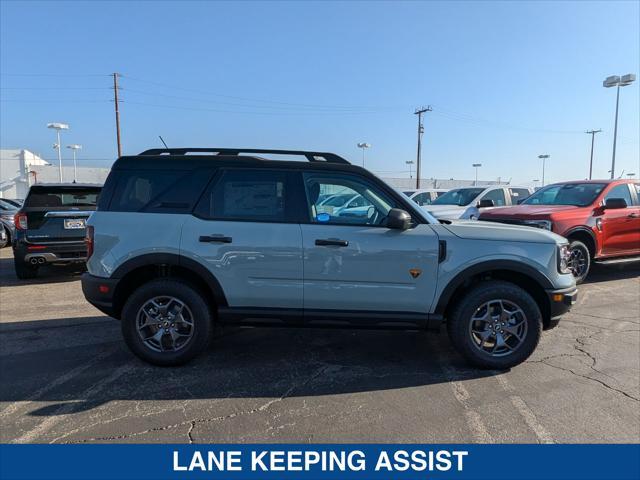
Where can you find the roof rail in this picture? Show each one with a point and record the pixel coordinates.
(311, 156)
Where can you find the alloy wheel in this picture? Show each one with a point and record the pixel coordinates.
(164, 324)
(498, 327)
(577, 262)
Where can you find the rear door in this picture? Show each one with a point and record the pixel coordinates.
(621, 227)
(245, 231)
(58, 213)
(357, 269)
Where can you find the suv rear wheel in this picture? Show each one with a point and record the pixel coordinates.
(24, 270)
(166, 322)
(495, 325)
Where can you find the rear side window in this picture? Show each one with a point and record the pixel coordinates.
(55, 197)
(157, 191)
(247, 194)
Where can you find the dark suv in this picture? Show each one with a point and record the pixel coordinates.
(50, 226)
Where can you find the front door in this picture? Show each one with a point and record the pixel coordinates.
(243, 231)
(355, 267)
(621, 227)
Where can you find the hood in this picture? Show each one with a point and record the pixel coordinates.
(446, 211)
(479, 230)
(527, 211)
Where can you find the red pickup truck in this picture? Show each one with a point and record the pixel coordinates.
(600, 218)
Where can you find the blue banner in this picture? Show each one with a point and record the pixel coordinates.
(307, 462)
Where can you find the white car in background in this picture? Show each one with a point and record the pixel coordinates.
(466, 202)
(425, 196)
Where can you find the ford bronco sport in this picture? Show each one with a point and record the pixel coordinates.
(600, 218)
(183, 238)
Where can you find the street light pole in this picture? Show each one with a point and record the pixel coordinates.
(410, 162)
(419, 112)
(616, 81)
(363, 146)
(57, 127)
(476, 166)
(75, 147)
(544, 158)
(593, 135)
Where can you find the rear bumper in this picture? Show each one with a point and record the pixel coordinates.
(560, 302)
(50, 253)
(99, 292)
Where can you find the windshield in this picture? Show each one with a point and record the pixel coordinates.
(62, 197)
(577, 194)
(338, 200)
(459, 196)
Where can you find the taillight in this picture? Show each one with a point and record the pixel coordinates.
(88, 240)
(20, 221)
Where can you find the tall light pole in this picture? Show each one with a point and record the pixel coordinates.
(410, 162)
(631, 175)
(535, 183)
(544, 158)
(57, 127)
(476, 166)
(419, 112)
(363, 146)
(615, 81)
(75, 147)
(593, 136)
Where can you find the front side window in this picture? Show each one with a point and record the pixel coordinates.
(423, 198)
(249, 195)
(620, 191)
(577, 194)
(497, 196)
(459, 196)
(372, 207)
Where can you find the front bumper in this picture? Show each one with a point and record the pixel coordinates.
(560, 302)
(100, 292)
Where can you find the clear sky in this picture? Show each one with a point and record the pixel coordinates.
(507, 80)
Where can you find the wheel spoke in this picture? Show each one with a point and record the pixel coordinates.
(161, 317)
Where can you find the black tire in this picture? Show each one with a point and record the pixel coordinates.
(199, 311)
(580, 260)
(24, 270)
(460, 321)
(5, 240)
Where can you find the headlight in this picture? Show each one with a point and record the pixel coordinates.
(564, 255)
(546, 224)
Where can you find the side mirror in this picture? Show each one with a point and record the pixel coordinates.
(485, 203)
(398, 219)
(615, 203)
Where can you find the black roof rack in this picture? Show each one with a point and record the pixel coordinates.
(311, 156)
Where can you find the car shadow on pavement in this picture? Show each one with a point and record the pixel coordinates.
(245, 363)
(607, 273)
(46, 274)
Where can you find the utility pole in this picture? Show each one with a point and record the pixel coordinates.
(419, 112)
(115, 99)
(593, 135)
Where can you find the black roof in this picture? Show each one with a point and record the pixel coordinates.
(189, 158)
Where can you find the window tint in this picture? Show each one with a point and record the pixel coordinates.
(52, 197)
(136, 189)
(620, 191)
(497, 196)
(518, 194)
(578, 194)
(372, 207)
(257, 195)
(459, 196)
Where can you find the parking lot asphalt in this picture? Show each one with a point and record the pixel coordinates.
(66, 377)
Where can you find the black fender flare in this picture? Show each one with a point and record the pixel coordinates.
(582, 229)
(488, 267)
(173, 259)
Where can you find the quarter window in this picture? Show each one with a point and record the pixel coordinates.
(620, 191)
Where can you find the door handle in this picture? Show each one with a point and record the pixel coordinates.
(633, 215)
(215, 239)
(324, 242)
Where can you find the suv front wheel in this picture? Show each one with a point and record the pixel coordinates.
(495, 325)
(166, 322)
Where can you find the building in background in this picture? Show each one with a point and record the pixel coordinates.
(410, 183)
(21, 168)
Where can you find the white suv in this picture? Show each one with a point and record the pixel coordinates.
(467, 202)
